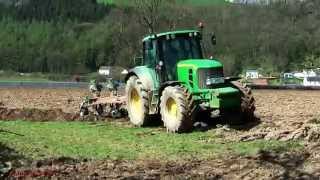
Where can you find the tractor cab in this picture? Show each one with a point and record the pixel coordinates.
(165, 50)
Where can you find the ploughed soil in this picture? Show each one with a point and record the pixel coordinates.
(265, 165)
(68, 100)
(283, 115)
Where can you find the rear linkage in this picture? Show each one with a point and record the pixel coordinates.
(111, 106)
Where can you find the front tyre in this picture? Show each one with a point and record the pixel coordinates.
(247, 102)
(137, 101)
(176, 110)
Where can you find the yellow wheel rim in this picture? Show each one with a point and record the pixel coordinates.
(135, 102)
(172, 108)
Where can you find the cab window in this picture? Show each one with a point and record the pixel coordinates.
(149, 53)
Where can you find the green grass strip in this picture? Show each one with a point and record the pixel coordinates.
(39, 140)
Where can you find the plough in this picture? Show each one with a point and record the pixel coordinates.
(112, 106)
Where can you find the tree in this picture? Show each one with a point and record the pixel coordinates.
(149, 13)
(311, 62)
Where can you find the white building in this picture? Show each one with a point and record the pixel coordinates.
(288, 75)
(310, 78)
(311, 81)
(124, 72)
(104, 70)
(252, 74)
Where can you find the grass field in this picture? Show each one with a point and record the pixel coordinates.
(113, 141)
(188, 2)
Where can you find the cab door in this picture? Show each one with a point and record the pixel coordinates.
(149, 53)
(151, 60)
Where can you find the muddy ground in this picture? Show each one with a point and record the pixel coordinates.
(264, 165)
(284, 115)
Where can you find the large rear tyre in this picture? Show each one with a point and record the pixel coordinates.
(247, 102)
(137, 102)
(176, 108)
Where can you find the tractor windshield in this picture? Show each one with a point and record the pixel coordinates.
(179, 48)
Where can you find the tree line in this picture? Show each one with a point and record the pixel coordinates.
(78, 36)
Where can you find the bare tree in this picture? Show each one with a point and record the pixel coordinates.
(149, 13)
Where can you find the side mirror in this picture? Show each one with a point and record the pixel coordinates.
(138, 61)
(213, 39)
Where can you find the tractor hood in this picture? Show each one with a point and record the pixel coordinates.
(196, 64)
(200, 74)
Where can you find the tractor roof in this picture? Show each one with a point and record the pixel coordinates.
(168, 33)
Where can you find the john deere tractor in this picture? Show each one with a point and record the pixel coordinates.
(174, 79)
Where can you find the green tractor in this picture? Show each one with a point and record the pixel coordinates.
(174, 79)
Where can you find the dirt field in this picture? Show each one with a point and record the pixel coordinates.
(284, 115)
(278, 110)
(284, 104)
(66, 99)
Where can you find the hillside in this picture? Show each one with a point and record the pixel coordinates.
(188, 2)
(79, 36)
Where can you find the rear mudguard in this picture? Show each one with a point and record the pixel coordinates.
(147, 76)
(150, 81)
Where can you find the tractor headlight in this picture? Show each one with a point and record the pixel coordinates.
(211, 81)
